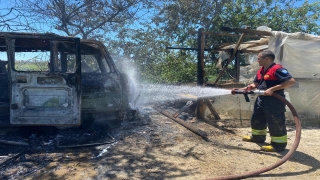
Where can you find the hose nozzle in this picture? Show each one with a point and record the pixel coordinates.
(245, 93)
(237, 91)
(259, 92)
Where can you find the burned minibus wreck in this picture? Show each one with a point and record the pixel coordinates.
(52, 80)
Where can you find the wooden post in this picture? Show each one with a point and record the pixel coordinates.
(201, 71)
(237, 66)
(201, 106)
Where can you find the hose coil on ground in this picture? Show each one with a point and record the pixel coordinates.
(281, 161)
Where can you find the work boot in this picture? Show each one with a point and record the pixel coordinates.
(251, 139)
(270, 148)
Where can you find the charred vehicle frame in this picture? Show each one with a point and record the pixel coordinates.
(52, 80)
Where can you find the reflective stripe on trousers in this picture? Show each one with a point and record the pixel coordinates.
(279, 139)
(259, 132)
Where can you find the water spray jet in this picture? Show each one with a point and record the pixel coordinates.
(155, 93)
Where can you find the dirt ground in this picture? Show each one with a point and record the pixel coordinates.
(154, 147)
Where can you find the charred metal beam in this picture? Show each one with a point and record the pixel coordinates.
(13, 158)
(195, 49)
(83, 145)
(231, 57)
(14, 143)
(189, 103)
(246, 31)
(87, 144)
(249, 44)
(183, 123)
(211, 108)
(231, 35)
(252, 51)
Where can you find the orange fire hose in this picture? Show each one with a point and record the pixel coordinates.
(281, 161)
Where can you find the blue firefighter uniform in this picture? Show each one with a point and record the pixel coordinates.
(268, 110)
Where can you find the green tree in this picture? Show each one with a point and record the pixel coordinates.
(89, 19)
(177, 18)
(12, 19)
(138, 31)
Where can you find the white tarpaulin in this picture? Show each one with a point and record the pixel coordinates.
(298, 52)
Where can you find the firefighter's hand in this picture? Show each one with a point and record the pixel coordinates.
(248, 88)
(234, 89)
(268, 92)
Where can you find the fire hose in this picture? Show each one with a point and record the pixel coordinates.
(290, 152)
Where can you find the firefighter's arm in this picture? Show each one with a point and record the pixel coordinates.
(283, 85)
(250, 86)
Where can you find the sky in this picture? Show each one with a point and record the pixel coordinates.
(10, 3)
(310, 1)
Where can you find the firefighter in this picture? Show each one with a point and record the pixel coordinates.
(269, 111)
